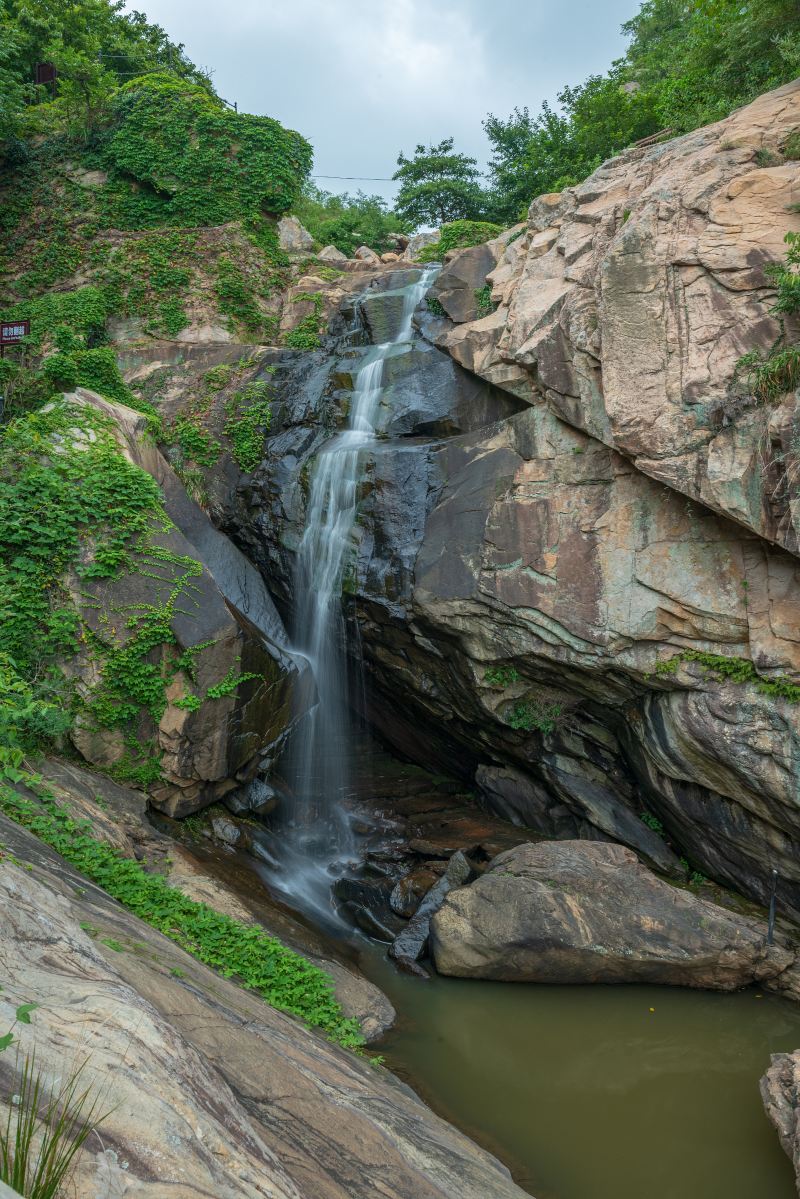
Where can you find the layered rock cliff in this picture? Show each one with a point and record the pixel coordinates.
(574, 573)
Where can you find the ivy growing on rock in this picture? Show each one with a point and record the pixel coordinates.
(203, 163)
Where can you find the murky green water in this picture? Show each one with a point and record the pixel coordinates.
(586, 1093)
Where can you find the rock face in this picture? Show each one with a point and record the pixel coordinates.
(210, 747)
(293, 237)
(418, 242)
(630, 298)
(573, 912)
(547, 595)
(780, 1093)
(242, 1101)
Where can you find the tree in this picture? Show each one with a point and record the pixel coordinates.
(438, 185)
(348, 222)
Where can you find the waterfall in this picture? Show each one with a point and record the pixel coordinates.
(318, 839)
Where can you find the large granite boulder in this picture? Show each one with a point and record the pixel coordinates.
(631, 297)
(294, 237)
(575, 912)
(210, 1092)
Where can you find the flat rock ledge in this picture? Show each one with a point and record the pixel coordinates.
(587, 912)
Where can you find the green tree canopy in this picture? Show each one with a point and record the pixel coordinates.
(348, 222)
(689, 62)
(438, 185)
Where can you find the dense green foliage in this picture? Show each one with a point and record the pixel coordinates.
(93, 45)
(71, 503)
(437, 185)
(204, 162)
(689, 62)
(456, 236)
(243, 952)
(348, 222)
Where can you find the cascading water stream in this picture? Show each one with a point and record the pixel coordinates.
(318, 841)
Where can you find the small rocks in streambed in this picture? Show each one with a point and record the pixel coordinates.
(589, 912)
(229, 833)
(412, 942)
(409, 892)
(409, 966)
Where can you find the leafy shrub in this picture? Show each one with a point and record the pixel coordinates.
(249, 414)
(459, 235)
(534, 714)
(501, 676)
(204, 163)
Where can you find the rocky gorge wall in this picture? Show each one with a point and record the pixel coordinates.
(571, 520)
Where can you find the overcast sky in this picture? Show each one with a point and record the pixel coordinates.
(364, 79)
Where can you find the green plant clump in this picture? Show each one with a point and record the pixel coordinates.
(307, 335)
(501, 676)
(533, 714)
(245, 953)
(459, 235)
(737, 670)
(249, 414)
(483, 300)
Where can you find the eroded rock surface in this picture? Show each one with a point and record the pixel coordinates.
(222, 613)
(780, 1093)
(573, 912)
(630, 299)
(242, 1101)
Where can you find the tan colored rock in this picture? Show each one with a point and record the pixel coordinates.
(331, 254)
(293, 237)
(780, 1094)
(211, 1093)
(390, 256)
(632, 297)
(579, 912)
(365, 254)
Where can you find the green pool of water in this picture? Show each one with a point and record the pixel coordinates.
(587, 1093)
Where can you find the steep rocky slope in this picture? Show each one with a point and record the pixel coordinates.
(240, 1099)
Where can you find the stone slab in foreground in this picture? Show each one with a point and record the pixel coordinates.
(214, 1094)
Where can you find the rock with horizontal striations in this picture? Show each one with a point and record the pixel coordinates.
(577, 912)
(209, 1090)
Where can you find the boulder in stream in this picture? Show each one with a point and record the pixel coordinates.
(587, 912)
(411, 943)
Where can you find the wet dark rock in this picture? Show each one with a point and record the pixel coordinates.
(257, 797)
(412, 942)
(577, 912)
(229, 833)
(409, 891)
(409, 966)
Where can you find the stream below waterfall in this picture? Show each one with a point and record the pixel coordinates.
(584, 1092)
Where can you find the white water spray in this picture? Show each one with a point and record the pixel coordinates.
(319, 841)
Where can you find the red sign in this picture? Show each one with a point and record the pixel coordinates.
(13, 331)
